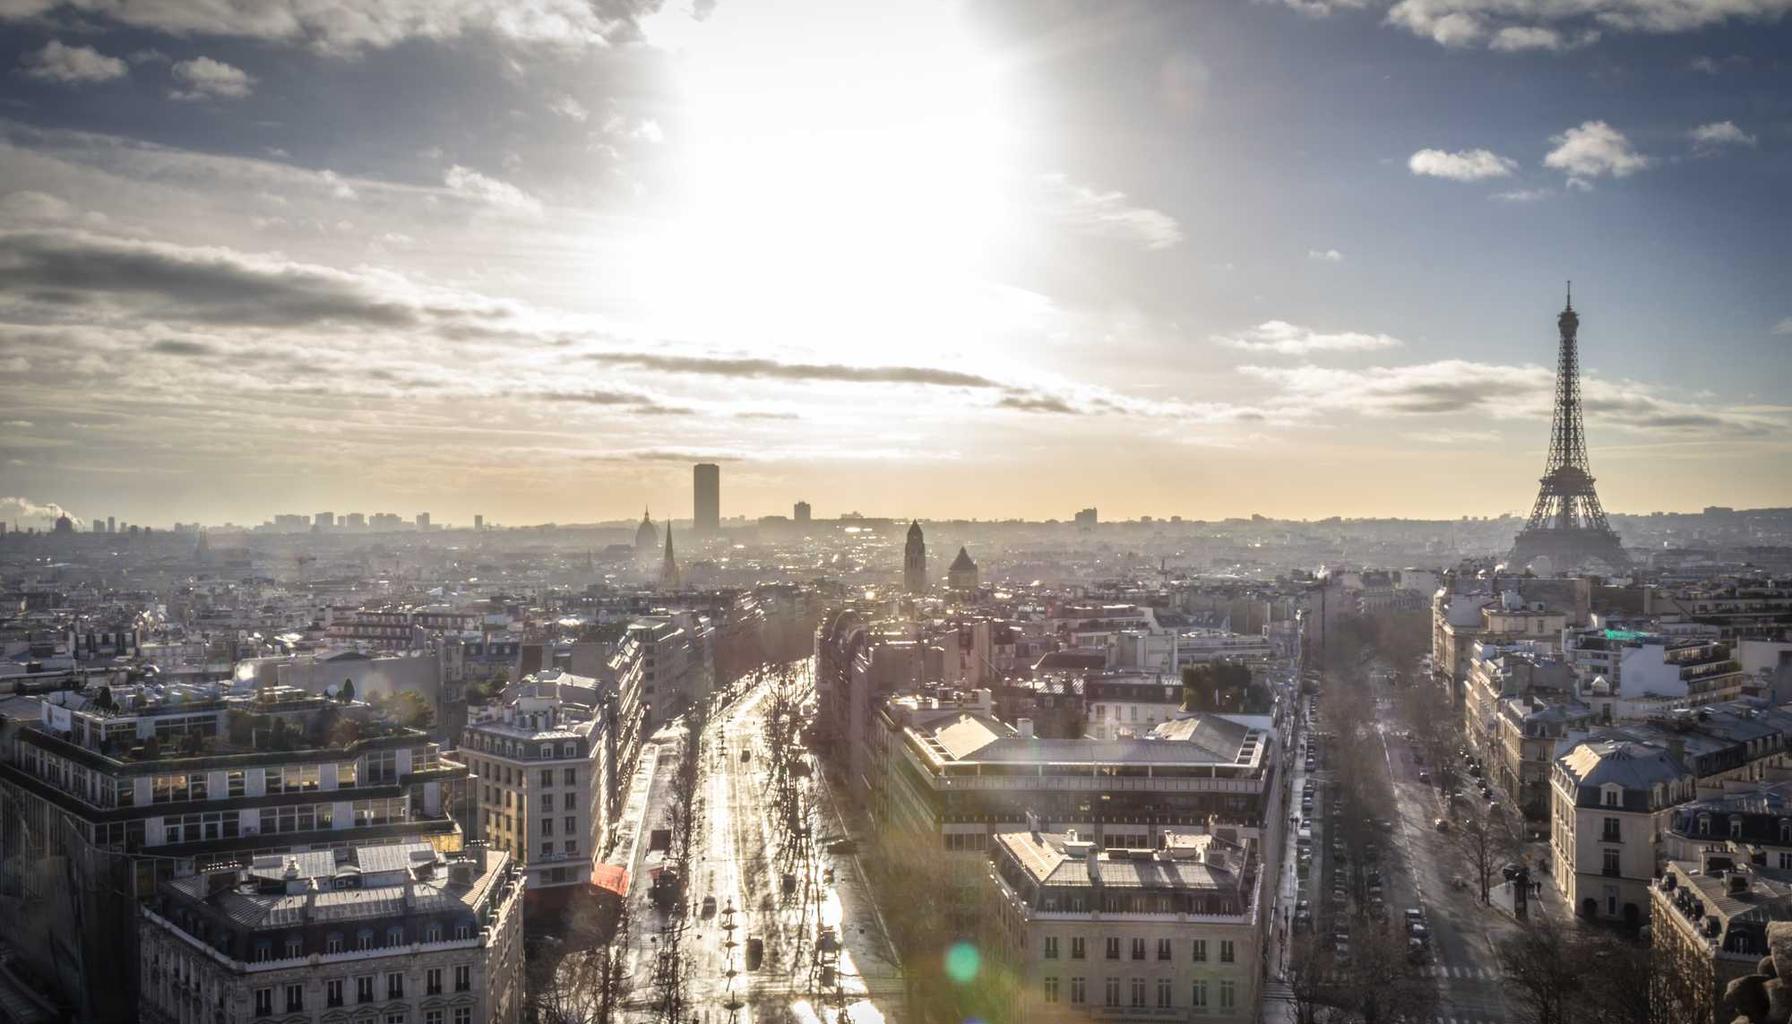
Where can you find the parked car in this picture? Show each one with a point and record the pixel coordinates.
(709, 906)
(1441, 824)
(1424, 776)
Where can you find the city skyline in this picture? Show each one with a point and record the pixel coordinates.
(1298, 260)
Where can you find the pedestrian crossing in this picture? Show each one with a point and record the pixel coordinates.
(1459, 972)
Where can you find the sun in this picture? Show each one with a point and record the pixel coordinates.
(842, 184)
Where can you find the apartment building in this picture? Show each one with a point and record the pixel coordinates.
(1756, 607)
(541, 767)
(1708, 923)
(98, 804)
(1609, 798)
(1171, 932)
(398, 934)
(1647, 669)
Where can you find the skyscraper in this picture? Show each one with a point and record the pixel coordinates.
(914, 561)
(706, 509)
(801, 513)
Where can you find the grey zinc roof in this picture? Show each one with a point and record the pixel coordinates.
(1635, 766)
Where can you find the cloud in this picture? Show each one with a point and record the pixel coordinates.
(755, 368)
(471, 185)
(1283, 338)
(1101, 214)
(1518, 38)
(1523, 195)
(179, 347)
(204, 78)
(1461, 388)
(1709, 138)
(1038, 403)
(1709, 65)
(569, 108)
(26, 513)
(71, 65)
(1325, 255)
(1513, 25)
(1592, 150)
(350, 26)
(34, 206)
(1784, 326)
(88, 277)
(1322, 8)
(1463, 165)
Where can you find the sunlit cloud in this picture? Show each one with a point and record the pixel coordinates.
(1108, 214)
(1464, 165)
(1592, 150)
(204, 78)
(1709, 138)
(71, 65)
(1283, 338)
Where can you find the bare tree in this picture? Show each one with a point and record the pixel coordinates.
(1486, 838)
(1545, 978)
(1382, 986)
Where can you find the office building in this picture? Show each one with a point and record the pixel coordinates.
(801, 512)
(324, 520)
(706, 498)
(914, 561)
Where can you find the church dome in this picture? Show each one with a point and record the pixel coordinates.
(647, 536)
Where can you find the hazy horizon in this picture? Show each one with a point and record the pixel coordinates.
(950, 260)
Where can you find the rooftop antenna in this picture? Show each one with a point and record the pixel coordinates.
(1570, 295)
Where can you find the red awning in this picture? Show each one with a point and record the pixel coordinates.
(610, 877)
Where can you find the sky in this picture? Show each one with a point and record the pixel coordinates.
(533, 258)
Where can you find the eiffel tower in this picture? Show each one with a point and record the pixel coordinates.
(1567, 524)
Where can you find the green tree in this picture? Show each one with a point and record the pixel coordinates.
(346, 692)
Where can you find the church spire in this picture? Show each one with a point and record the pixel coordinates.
(669, 567)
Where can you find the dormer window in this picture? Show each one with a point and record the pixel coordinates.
(1736, 828)
(1704, 824)
(1785, 832)
(1611, 796)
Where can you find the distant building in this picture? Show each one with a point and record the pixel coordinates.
(478, 521)
(1649, 667)
(961, 575)
(324, 520)
(423, 520)
(647, 540)
(1171, 932)
(706, 498)
(669, 565)
(355, 521)
(914, 560)
(1086, 517)
(801, 512)
(64, 525)
(401, 930)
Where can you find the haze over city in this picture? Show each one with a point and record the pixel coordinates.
(951, 260)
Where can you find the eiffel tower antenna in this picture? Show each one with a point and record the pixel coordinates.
(1567, 524)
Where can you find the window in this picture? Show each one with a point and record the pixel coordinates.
(547, 826)
(1611, 833)
(1051, 989)
(364, 939)
(1111, 995)
(333, 943)
(395, 1017)
(1163, 993)
(432, 1017)
(1200, 951)
(433, 933)
(547, 849)
(569, 749)
(1198, 999)
(571, 824)
(264, 1002)
(1138, 949)
(432, 982)
(1051, 947)
(295, 998)
(547, 751)
(1228, 994)
(1079, 993)
(1076, 947)
(364, 989)
(1163, 949)
(1226, 951)
(394, 985)
(1735, 827)
(463, 1015)
(570, 847)
(264, 951)
(333, 992)
(1611, 863)
(569, 777)
(1113, 948)
(547, 777)
(1138, 991)
(1786, 862)
(395, 936)
(235, 783)
(463, 978)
